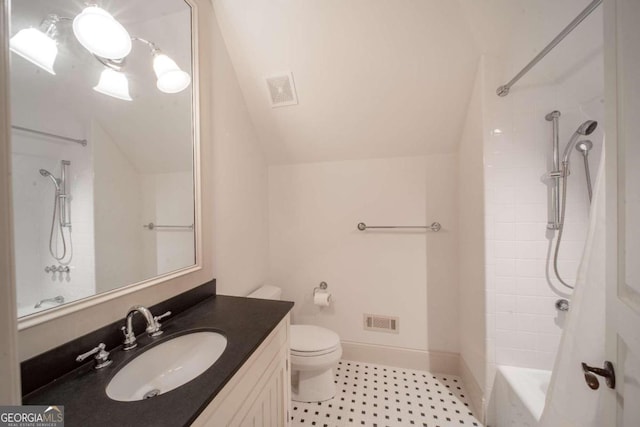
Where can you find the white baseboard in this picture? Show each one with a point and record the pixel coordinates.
(474, 391)
(440, 362)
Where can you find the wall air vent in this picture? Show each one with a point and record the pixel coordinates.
(376, 322)
(282, 91)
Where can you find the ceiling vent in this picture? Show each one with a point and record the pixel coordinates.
(282, 91)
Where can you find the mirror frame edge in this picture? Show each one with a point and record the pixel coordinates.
(49, 329)
(9, 361)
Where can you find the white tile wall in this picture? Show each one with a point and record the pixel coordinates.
(33, 205)
(523, 326)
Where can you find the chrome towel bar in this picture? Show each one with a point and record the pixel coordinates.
(435, 226)
(152, 226)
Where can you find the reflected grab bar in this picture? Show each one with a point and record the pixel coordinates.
(152, 226)
(435, 226)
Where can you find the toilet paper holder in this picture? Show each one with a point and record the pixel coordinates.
(322, 287)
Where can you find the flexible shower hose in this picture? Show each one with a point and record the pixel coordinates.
(565, 172)
(61, 228)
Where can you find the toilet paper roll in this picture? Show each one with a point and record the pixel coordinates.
(322, 299)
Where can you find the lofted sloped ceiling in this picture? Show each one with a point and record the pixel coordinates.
(375, 78)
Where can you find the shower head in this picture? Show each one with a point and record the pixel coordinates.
(584, 146)
(585, 128)
(46, 173)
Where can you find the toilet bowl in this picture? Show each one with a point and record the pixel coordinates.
(315, 352)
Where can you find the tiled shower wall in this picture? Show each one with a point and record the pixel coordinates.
(33, 208)
(523, 326)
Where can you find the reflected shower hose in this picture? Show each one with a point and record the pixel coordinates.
(565, 172)
(53, 253)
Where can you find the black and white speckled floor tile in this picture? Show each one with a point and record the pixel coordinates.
(384, 396)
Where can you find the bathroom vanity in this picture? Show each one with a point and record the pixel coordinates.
(260, 392)
(247, 385)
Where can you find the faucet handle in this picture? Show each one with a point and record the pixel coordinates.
(162, 316)
(129, 342)
(101, 356)
(154, 330)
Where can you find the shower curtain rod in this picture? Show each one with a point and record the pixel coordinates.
(504, 89)
(82, 142)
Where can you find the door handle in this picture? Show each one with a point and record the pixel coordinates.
(607, 372)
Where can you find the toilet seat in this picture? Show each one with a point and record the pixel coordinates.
(310, 340)
(313, 353)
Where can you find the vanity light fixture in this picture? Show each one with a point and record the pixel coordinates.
(113, 83)
(38, 45)
(108, 41)
(101, 34)
(171, 79)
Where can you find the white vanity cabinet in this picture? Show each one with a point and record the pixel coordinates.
(259, 394)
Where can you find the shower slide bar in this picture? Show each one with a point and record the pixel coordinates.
(82, 142)
(435, 226)
(152, 226)
(504, 89)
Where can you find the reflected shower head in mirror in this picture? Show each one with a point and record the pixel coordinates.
(586, 128)
(584, 146)
(46, 173)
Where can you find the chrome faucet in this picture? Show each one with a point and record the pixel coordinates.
(153, 325)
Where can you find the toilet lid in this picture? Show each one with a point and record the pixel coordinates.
(312, 338)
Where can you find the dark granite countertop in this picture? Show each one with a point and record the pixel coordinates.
(245, 322)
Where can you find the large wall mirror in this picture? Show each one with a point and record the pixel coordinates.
(102, 114)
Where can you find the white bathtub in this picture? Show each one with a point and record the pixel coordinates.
(24, 310)
(519, 396)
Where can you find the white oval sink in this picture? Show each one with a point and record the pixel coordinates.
(166, 366)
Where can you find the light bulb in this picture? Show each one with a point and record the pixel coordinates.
(113, 83)
(171, 79)
(101, 34)
(36, 47)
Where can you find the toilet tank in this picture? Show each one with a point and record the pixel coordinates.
(266, 292)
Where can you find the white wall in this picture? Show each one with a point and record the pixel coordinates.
(313, 212)
(524, 328)
(168, 200)
(240, 231)
(118, 215)
(471, 243)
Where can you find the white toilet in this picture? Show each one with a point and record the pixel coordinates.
(315, 351)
